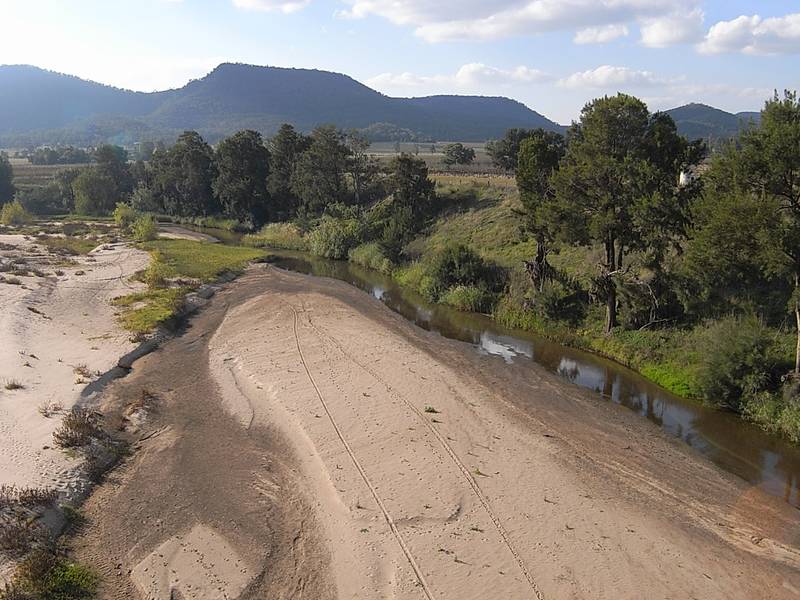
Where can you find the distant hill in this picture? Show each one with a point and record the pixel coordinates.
(38, 107)
(699, 121)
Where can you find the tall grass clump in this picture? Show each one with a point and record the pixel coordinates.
(372, 256)
(334, 237)
(144, 228)
(283, 236)
(124, 216)
(13, 213)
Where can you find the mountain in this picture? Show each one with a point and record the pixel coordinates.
(699, 121)
(38, 106)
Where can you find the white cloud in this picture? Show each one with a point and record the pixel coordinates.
(477, 19)
(754, 35)
(675, 28)
(469, 76)
(608, 77)
(600, 35)
(272, 5)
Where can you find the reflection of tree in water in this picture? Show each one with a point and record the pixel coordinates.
(569, 370)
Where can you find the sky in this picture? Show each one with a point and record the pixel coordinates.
(552, 55)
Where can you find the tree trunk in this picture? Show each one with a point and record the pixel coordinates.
(611, 290)
(611, 308)
(797, 321)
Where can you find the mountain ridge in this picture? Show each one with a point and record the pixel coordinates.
(39, 106)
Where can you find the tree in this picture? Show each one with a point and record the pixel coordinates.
(539, 157)
(7, 189)
(361, 165)
(504, 152)
(318, 178)
(95, 192)
(112, 161)
(770, 168)
(458, 154)
(617, 184)
(412, 194)
(241, 184)
(285, 149)
(183, 177)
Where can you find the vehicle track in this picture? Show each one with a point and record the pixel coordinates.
(448, 449)
(417, 571)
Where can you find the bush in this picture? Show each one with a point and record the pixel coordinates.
(333, 238)
(455, 266)
(69, 581)
(124, 216)
(468, 298)
(416, 277)
(286, 236)
(144, 228)
(738, 359)
(78, 428)
(157, 272)
(557, 301)
(13, 213)
(371, 256)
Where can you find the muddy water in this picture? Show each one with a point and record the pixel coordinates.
(738, 447)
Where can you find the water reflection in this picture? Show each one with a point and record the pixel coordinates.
(736, 446)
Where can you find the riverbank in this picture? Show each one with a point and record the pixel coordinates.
(394, 462)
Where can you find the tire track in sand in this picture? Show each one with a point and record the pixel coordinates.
(357, 464)
(448, 449)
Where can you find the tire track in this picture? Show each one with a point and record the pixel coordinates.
(448, 449)
(359, 468)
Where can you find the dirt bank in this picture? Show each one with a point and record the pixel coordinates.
(326, 445)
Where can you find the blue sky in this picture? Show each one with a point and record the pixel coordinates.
(553, 55)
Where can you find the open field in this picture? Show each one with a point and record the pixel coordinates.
(28, 175)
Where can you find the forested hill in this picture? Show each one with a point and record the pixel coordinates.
(38, 106)
(709, 123)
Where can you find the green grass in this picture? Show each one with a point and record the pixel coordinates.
(144, 311)
(284, 236)
(371, 256)
(484, 216)
(202, 260)
(68, 245)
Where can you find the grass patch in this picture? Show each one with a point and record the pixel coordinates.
(68, 245)
(202, 260)
(144, 311)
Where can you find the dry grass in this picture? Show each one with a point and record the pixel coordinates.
(48, 408)
(13, 384)
(28, 497)
(78, 428)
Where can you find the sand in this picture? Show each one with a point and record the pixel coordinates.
(329, 449)
(59, 336)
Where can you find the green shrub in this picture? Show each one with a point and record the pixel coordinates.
(157, 272)
(371, 256)
(468, 298)
(124, 216)
(333, 238)
(286, 236)
(416, 277)
(13, 213)
(737, 359)
(144, 228)
(69, 581)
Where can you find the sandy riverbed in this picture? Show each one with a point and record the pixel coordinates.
(309, 441)
(59, 336)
